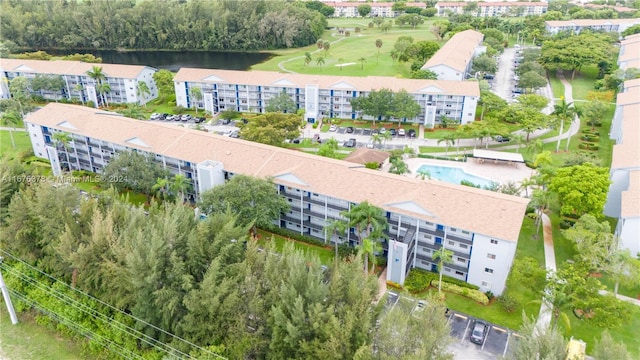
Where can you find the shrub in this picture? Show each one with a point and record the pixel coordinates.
(590, 137)
(489, 295)
(589, 146)
(178, 110)
(475, 295)
(591, 132)
(393, 285)
(419, 280)
(460, 283)
(346, 251)
(315, 125)
(508, 303)
(294, 235)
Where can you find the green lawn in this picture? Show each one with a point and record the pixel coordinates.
(556, 86)
(358, 50)
(583, 81)
(326, 255)
(29, 341)
(21, 138)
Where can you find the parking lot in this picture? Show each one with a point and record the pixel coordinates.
(498, 342)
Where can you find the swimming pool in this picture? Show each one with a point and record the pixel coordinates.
(453, 175)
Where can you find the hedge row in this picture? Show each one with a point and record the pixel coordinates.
(475, 295)
(588, 146)
(419, 280)
(591, 132)
(590, 137)
(460, 159)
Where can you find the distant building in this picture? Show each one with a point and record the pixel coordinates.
(480, 227)
(454, 59)
(577, 25)
(381, 9)
(619, 9)
(488, 9)
(123, 80)
(321, 95)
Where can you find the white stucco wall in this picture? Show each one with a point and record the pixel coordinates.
(181, 93)
(483, 248)
(628, 231)
(619, 183)
(37, 140)
(446, 73)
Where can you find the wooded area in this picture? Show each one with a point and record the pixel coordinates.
(156, 25)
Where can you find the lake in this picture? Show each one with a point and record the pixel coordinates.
(174, 60)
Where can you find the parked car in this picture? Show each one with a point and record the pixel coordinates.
(489, 76)
(411, 133)
(479, 332)
(186, 117)
(350, 143)
(333, 127)
(517, 90)
(226, 121)
(200, 120)
(235, 134)
(383, 130)
(350, 129)
(295, 141)
(501, 138)
(244, 120)
(374, 131)
(401, 132)
(316, 137)
(155, 116)
(393, 132)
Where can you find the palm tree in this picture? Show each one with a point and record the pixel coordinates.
(525, 184)
(79, 88)
(133, 111)
(424, 174)
(320, 61)
(535, 147)
(449, 139)
(366, 218)
(368, 249)
(362, 61)
(340, 61)
(180, 185)
(103, 89)
(377, 138)
(307, 58)
(11, 119)
(335, 227)
(519, 140)
(161, 188)
(443, 255)
(386, 136)
(143, 91)
(378, 45)
(98, 77)
(399, 167)
(541, 200)
(563, 113)
(196, 94)
(543, 159)
(63, 139)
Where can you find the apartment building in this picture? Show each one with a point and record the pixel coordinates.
(623, 199)
(488, 9)
(454, 59)
(577, 25)
(321, 96)
(479, 226)
(381, 9)
(122, 79)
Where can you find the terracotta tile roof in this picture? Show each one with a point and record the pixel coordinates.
(493, 3)
(631, 64)
(630, 204)
(484, 212)
(630, 84)
(372, 4)
(632, 96)
(627, 154)
(631, 51)
(368, 83)
(67, 67)
(364, 156)
(457, 52)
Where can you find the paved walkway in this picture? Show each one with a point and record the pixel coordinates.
(546, 309)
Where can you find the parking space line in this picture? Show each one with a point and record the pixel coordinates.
(486, 337)
(499, 329)
(460, 316)
(464, 334)
(506, 346)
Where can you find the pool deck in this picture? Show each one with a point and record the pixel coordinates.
(498, 172)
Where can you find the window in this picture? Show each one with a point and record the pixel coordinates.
(447, 270)
(461, 259)
(495, 242)
(463, 246)
(451, 243)
(488, 270)
(453, 229)
(459, 273)
(465, 232)
(486, 284)
(491, 256)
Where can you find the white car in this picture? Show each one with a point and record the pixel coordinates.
(401, 132)
(333, 127)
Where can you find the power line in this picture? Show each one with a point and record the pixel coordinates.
(135, 333)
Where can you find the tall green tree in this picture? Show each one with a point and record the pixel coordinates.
(282, 103)
(608, 349)
(255, 201)
(335, 228)
(364, 10)
(63, 140)
(377, 104)
(272, 128)
(404, 106)
(98, 76)
(563, 114)
(196, 94)
(134, 171)
(10, 119)
(534, 344)
(19, 89)
(367, 219)
(582, 189)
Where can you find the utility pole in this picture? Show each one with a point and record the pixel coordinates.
(7, 299)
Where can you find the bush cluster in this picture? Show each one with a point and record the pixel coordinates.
(589, 146)
(590, 137)
(461, 283)
(294, 235)
(460, 158)
(394, 285)
(591, 132)
(508, 303)
(419, 280)
(475, 295)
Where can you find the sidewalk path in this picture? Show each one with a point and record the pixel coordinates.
(546, 309)
(622, 297)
